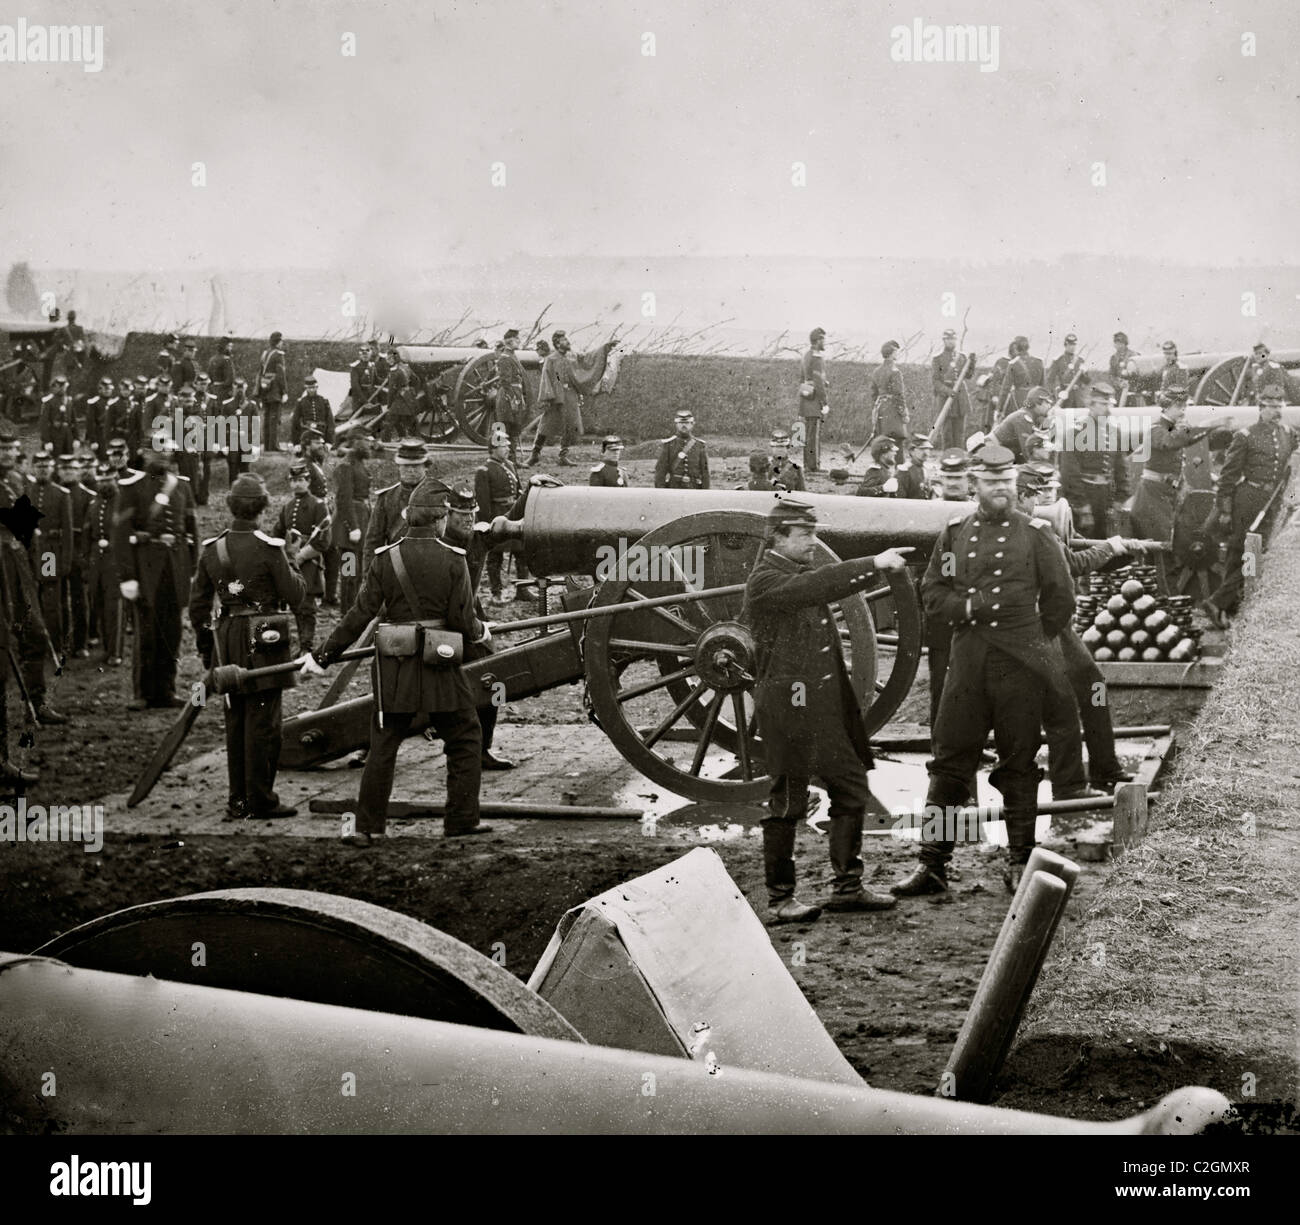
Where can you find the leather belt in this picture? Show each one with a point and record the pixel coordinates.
(1160, 478)
(1258, 484)
(247, 610)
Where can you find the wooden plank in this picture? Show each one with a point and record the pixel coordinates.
(1199, 675)
(432, 809)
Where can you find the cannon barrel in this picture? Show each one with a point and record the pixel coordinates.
(145, 1055)
(1199, 363)
(457, 355)
(571, 529)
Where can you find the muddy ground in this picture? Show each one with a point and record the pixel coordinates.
(892, 989)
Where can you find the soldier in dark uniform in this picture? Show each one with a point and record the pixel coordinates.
(759, 468)
(303, 522)
(102, 577)
(1023, 372)
(315, 454)
(912, 479)
(248, 572)
(221, 370)
(608, 473)
(683, 461)
(783, 472)
(1061, 375)
(21, 629)
(496, 489)
(313, 412)
(75, 604)
(189, 457)
(954, 486)
(351, 514)
(58, 423)
(1000, 579)
(561, 403)
(92, 416)
(363, 389)
(235, 408)
(890, 416)
(157, 412)
(119, 460)
(512, 400)
(1160, 486)
(52, 542)
(1016, 426)
(387, 523)
(460, 532)
(122, 419)
(814, 407)
(154, 533)
(1094, 476)
(1173, 373)
(420, 580)
(1256, 461)
(881, 477)
(950, 372)
(808, 713)
(186, 369)
(208, 408)
(1123, 371)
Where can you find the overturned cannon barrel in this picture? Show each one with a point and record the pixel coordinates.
(89, 1052)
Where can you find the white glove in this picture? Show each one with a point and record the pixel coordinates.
(1117, 543)
(310, 667)
(355, 535)
(486, 639)
(891, 485)
(130, 589)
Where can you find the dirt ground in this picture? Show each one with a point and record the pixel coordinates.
(892, 989)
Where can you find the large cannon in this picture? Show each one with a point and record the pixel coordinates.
(1219, 378)
(673, 687)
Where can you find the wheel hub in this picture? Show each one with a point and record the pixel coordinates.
(725, 656)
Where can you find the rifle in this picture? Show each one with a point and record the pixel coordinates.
(1065, 392)
(948, 403)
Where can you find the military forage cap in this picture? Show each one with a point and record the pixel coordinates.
(431, 493)
(1038, 395)
(683, 414)
(1119, 338)
(1028, 477)
(954, 459)
(994, 460)
(780, 438)
(298, 470)
(1102, 389)
(1071, 339)
(411, 451)
(787, 512)
(610, 440)
(462, 499)
(247, 486)
(949, 334)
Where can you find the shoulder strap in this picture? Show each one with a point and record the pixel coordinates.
(223, 558)
(404, 579)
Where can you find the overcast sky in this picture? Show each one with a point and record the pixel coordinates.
(317, 159)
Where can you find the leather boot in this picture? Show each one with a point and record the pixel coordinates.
(927, 878)
(792, 910)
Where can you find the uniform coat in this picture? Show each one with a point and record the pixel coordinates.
(103, 579)
(889, 413)
(682, 464)
(608, 475)
(1155, 504)
(312, 411)
(1059, 375)
(387, 523)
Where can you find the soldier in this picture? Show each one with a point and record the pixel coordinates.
(821, 736)
(461, 532)
(1023, 372)
(1012, 431)
(1066, 377)
(71, 340)
(189, 458)
(11, 475)
(363, 387)
(399, 395)
(1160, 485)
(912, 479)
(315, 453)
(422, 588)
(92, 416)
(186, 369)
(608, 473)
(52, 542)
(954, 486)
(1093, 473)
(312, 411)
(683, 461)
(814, 397)
(387, 523)
(154, 533)
(1065, 709)
(881, 477)
(167, 358)
(1172, 373)
(1256, 461)
(496, 490)
(157, 412)
(512, 401)
(102, 578)
(58, 423)
(221, 370)
(118, 457)
(949, 372)
(889, 415)
(234, 408)
(74, 601)
(1263, 370)
(22, 635)
(122, 419)
(1039, 448)
(256, 584)
(954, 477)
(1000, 580)
(304, 523)
(1123, 369)
(351, 514)
(561, 403)
(783, 472)
(760, 480)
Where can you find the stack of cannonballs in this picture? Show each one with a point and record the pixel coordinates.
(1123, 617)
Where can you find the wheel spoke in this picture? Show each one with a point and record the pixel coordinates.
(652, 648)
(664, 614)
(661, 682)
(877, 593)
(742, 741)
(880, 686)
(696, 693)
(706, 732)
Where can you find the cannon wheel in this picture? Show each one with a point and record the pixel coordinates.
(648, 673)
(474, 400)
(1223, 384)
(435, 420)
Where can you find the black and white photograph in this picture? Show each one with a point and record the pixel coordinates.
(656, 567)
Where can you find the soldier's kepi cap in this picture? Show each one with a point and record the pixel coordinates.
(1071, 339)
(511, 334)
(1119, 338)
(993, 460)
(1169, 347)
(949, 334)
(247, 485)
(787, 512)
(1029, 478)
(411, 451)
(1175, 391)
(684, 414)
(610, 440)
(1038, 395)
(431, 494)
(780, 437)
(298, 471)
(954, 459)
(114, 444)
(309, 381)
(919, 439)
(311, 434)
(1101, 389)
(462, 499)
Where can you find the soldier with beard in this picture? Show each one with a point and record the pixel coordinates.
(388, 517)
(103, 580)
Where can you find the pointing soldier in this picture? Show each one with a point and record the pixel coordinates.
(304, 524)
(256, 585)
(422, 588)
(808, 712)
(1000, 580)
(683, 461)
(609, 473)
